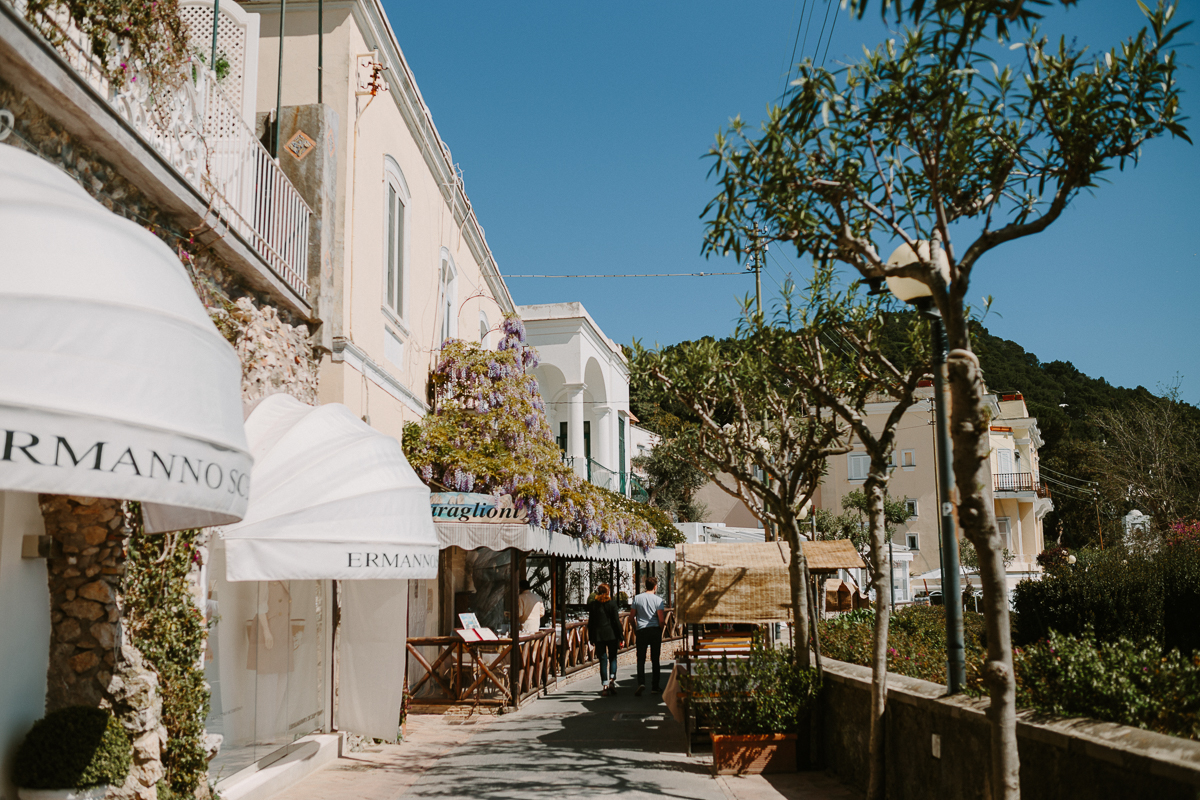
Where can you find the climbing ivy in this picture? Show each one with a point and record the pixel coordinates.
(169, 630)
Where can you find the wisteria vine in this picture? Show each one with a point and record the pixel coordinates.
(488, 433)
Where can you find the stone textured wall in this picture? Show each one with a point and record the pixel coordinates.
(91, 660)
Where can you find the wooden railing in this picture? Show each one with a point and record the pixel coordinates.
(478, 673)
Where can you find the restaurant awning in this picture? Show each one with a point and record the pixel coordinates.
(333, 499)
(113, 380)
(532, 539)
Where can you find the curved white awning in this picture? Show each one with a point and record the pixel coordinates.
(113, 380)
(333, 498)
(532, 539)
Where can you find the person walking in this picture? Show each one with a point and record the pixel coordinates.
(649, 617)
(604, 630)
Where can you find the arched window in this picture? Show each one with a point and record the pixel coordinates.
(449, 294)
(395, 230)
(484, 327)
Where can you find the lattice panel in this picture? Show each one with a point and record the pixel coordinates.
(231, 41)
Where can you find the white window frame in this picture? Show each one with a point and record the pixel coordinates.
(913, 540)
(1004, 527)
(448, 297)
(914, 508)
(396, 221)
(485, 328)
(863, 462)
(908, 460)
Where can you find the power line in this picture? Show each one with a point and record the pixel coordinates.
(791, 65)
(828, 6)
(648, 275)
(1044, 468)
(829, 41)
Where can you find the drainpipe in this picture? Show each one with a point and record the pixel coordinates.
(212, 59)
(279, 83)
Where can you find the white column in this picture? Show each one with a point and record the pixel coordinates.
(602, 441)
(575, 427)
(1020, 537)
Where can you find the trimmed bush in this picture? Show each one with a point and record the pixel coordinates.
(1116, 594)
(1130, 683)
(73, 748)
(916, 641)
(766, 693)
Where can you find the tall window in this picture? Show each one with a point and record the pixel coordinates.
(449, 294)
(484, 327)
(1005, 530)
(858, 466)
(396, 201)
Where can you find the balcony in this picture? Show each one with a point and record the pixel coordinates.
(196, 129)
(627, 485)
(1019, 482)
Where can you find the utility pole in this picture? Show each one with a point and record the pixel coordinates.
(757, 249)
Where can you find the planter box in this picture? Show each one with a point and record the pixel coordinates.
(754, 753)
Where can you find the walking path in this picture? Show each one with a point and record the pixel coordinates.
(570, 744)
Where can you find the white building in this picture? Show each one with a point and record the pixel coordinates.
(584, 379)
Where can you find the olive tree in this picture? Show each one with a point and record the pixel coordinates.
(948, 145)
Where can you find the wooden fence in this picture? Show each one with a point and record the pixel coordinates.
(477, 673)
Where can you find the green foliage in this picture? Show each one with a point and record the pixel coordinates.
(766, 693)
(488, 433)
(916, 641)
(133, 41)
(73, 748)
(672, 481)
(169, 631)
(969, 558)
(1128, 681)
(1116, 594)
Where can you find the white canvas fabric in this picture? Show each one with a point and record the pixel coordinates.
(372, 657)
(333, 499)
(113, 380)
(531, 539)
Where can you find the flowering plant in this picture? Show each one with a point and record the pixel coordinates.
(488, 433)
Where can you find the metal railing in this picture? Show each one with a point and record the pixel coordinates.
(200, 133)
(1019, 482)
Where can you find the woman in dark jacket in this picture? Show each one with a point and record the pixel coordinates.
(604, 631)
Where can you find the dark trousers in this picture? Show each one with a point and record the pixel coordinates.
(651, 638)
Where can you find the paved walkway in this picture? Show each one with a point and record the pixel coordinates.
(570, 744)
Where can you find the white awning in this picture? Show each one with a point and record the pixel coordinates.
(531, 539)
(333, 498)
(113, 380)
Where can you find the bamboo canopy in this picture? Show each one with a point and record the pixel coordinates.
(747, 582)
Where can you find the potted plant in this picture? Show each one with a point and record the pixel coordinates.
(74, 753)
(755, 706)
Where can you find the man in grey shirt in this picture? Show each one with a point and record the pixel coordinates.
(648, 617)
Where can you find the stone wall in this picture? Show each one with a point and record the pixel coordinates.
(92, 662)
(938, 747)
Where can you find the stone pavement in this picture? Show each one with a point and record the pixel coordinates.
(571, 744)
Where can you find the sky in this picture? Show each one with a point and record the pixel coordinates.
(581, 131)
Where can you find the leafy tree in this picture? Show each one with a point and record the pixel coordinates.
(931, 137)
(853, 522)
(672, 481)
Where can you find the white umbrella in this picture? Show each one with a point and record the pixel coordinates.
(113, 380)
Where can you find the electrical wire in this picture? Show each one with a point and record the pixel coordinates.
(649, 275)
(829, 41)
(791, 65)
(1044, 468)
(828, 6)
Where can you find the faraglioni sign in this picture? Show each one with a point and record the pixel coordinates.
(471, 507)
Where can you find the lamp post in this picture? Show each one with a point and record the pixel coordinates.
(917, 294)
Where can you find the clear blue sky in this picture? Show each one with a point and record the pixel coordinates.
(581, 130)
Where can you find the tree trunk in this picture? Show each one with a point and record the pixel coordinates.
(881, 583)
(798, 575)
(969, 424)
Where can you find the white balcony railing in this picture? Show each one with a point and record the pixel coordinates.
(197, 130)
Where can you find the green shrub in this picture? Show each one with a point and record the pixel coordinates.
(1116, 594)
(73, 748)
(766, 693)
(916, 641)
(1130, 683)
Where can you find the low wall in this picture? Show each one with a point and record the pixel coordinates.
(1060, 758)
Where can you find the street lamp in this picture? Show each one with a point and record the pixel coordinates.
(917, 294)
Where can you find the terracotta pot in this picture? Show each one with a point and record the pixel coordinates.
(92, 793)
(752, 754)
